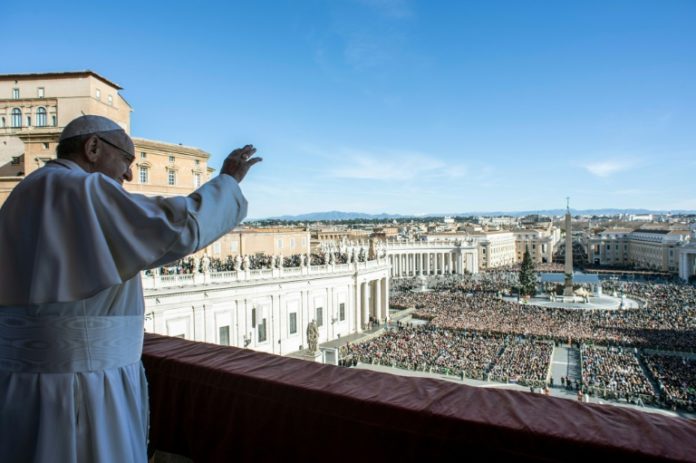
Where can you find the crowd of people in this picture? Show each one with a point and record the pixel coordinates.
(615, 372)
(667, 319)
(456, 353)
(523, 362)
(475, 332)
(676, 379)
(429, 349)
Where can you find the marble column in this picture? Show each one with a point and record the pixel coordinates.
(378, 300)
(365, 304)
(385, 299)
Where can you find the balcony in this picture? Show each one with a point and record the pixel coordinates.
(215, 403)
(156, 281)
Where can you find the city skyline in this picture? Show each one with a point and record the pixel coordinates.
(402, 107)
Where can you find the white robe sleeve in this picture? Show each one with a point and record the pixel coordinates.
(71, 234)
(146, 232)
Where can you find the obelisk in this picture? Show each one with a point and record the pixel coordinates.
(568, 289)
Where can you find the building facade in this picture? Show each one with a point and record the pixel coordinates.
(496, 248)
(268, 310)
(282, 242)
(35, 108)
(648, 249)
(541, 243)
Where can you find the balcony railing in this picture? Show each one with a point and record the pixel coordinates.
(214, 403)
(195, 279)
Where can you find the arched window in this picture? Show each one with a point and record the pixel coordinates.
(41, 117)
(16, 117)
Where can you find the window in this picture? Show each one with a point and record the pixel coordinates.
(53, 120)
(16, 117)
(224, 335)
(2, 122)
(234, 246)
(110, 99)
(15, 160)
(262, 331)
(217, 247)
(342, 311)
(198, 162)
(143, 155)
(171, 159)
(171, 177)
(196, 180)
(15, 93)
(320, 316)
(293, 323)
(41, 117)
(98, 94)
(280, 243)
(40, 92)
(144, 174)
(292, 243)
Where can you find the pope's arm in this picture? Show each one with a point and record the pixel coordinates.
(211, 211)
(144, 232)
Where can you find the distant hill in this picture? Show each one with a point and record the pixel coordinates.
(339, 215)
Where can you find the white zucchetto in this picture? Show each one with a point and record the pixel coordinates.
(86, 125)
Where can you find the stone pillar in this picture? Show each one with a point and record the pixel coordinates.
(684, 267)
(358, 308)
(365, 304)
(421, 262)
(378, 299)
(427, 263)
(385, 299)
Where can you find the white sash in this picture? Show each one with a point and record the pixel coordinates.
(55, 344)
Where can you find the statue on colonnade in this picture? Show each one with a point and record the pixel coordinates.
(312, 336)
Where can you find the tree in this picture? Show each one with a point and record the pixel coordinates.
(527, 275)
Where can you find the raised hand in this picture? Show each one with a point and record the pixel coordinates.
(239, 161)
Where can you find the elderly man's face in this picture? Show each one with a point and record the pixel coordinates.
(117, 153)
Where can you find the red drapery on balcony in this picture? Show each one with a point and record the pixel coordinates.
(215, 403)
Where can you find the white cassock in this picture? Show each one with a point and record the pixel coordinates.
(72, 246)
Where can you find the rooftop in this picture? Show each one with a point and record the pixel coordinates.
(59, 75)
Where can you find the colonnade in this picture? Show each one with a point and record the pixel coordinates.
(372, 301)
(430, 260)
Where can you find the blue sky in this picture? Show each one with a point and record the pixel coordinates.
(400, 106)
